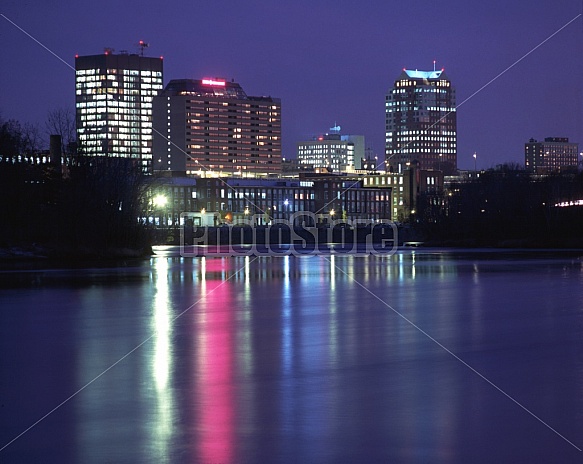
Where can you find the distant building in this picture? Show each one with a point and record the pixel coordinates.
(421, 122)
(406, 187)
(373, 196)
(291, 167)
(332, 151)
(555, 154)
(212, 127)
(370, 163)
(234, 198)
(167, 197)
(329, 196)
(114, 95)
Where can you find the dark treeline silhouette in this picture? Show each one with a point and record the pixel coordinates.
(505, 207)
(92, 211)
(24, 191)
(98, 207)
(18, 139)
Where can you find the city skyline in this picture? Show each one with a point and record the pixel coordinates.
(328, 63)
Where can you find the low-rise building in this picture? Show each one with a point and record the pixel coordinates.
(555, 154)
(326, 196)
(333, 197)
(406, 188)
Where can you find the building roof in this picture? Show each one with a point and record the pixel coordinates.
(254, 182)
(118, 61)
(208, 87)
(174, 181)
(416, 74)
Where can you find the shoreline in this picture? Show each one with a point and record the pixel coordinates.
(40, 256)
(27, 261)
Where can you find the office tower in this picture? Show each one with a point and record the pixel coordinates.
(332, 150)
(212, 127)
(114, 95)
(555, 154)
(421, 122)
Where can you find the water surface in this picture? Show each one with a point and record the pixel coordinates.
(313, 359)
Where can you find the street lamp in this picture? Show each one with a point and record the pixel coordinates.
(160, 201)
(475, 163)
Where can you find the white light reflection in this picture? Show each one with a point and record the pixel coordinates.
(245, 359)
(203, 269)
(162, 429)
(333, 314)
(287, 348)
(413, 265)
(201, 315)
(244, 352)
(332, 273)
(401, 265)
(246, 271)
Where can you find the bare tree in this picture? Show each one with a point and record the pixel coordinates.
(10, 139)
(61, 121)
(31, 139)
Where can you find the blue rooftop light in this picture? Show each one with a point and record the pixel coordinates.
(415, 74)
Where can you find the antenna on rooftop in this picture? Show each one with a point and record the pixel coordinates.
(141, 46)
(433, 65)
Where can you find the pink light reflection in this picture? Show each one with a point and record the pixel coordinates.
(214, 376)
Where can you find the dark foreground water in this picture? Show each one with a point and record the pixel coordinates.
(296, 360)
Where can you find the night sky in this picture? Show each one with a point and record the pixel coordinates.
(329, 61)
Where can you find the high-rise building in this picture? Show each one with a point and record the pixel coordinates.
(114, 95)
(555, 154)
(421, 122)
(211, 126)
(332, 151)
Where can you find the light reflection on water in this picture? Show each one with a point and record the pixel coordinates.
(289, 360)
(162, 363)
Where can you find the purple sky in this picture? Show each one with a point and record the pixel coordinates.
(329, 62)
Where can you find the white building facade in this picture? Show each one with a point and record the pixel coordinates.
(333, 151)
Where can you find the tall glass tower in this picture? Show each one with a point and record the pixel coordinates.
(114, 94)
(421, 123)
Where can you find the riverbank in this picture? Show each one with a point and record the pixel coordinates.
(35, 255)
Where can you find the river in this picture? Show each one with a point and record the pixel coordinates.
(425, 356)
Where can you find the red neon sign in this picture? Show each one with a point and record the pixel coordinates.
(213, 82)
